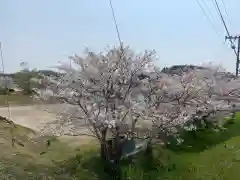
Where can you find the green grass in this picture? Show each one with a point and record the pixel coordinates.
(205, 155)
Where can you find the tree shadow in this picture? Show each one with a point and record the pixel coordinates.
(151, 164)
(89, 166)
(205, 138)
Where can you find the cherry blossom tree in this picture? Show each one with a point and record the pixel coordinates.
(105, 92)
(203, 95)
(117, 93)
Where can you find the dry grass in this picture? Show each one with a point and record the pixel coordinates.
(35, 157)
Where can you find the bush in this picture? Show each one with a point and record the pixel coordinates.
(4, 91)
(204, 136)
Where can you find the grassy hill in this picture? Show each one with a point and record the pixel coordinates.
(31, 157)
(205, 155)
(208, 155)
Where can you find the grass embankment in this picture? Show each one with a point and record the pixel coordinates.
(205, 155)
(31, 157)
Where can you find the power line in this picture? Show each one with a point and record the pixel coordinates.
(224, 23)
(209, 12)
(229, 37)
(5, 81)
(206, 15)
(1, 54)
(115, 22)
(225, 9)
(118, 35)
(8, 107)
(221, 16)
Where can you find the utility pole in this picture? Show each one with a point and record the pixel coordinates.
(234, 48)
(1, 56)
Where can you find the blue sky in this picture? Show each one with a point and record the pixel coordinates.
(43, 32)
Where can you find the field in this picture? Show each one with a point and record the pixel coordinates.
(205, 155)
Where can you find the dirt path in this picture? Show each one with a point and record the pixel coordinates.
(37, 116)
(32, 116)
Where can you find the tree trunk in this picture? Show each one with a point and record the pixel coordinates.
(117, 147)
(104, 145)
(111, 156)
(104, 152)
(110, 160)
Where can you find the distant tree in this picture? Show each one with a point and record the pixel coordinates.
(23, 78)
(6, 84)
(3, 89)
(179, 69)
(48, 73)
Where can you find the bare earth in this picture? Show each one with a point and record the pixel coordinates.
(33, 116)
(36, 116)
